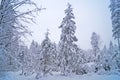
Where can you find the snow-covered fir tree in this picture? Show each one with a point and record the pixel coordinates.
(111, 53)
(81, 61)
(66, 43)
(54, 57)
(108, 58)
(105, 59)
(45, 51)
(116, 58)
(30, 58)
(115, 12)
(95, 42)
(48, 55)
(34, 52)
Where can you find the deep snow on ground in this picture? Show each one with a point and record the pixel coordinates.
(91, 76)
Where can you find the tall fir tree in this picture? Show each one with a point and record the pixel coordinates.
(67, 39)
(115, 12)
(95, 42)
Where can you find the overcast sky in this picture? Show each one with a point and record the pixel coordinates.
(90, 16)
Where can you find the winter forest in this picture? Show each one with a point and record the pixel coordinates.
(50, 60)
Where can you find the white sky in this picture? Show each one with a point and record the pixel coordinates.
(90, 15)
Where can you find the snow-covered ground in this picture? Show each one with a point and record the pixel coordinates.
(17, 76)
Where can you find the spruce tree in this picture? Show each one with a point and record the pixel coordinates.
(106, 60)
(45, 62)
(95, 42)
(115, 12)
(67, 41)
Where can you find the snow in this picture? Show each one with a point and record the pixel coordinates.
(15, 76)
(90, 76)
